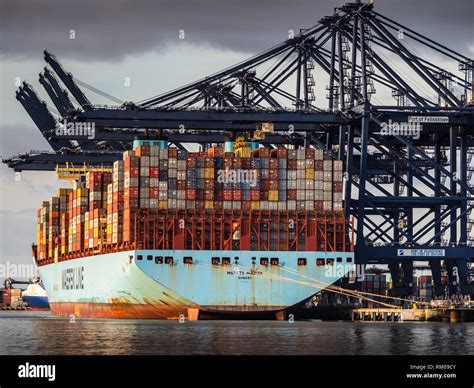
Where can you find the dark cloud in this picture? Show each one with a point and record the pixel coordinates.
(111, 29)
(19, 139)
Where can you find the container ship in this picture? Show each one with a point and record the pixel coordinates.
(235, 230)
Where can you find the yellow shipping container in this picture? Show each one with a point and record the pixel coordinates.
(255, 205)
(243, 152)
(62, 192)
(96, 232)
(309, 173)
(209, 173)
(109, 229)
(82, 192)
(209, 204)
(273, 195)
(162, 204)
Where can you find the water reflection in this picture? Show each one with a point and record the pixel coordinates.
(39, 333)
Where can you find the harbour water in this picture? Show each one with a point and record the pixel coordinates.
(39, 333)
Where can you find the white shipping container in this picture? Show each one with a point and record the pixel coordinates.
(236, 205)
(327, 196)
(301, 153)
(327, 206)
(190, 205)
(154, 161)
(145, 203)
(327, 176)
(181, 175)
(272, 205)
(300, 205)
(163, 186)
(263, 205)
(164, 153)
(301, 164)
(300, 195)
(291, 175)
(172, 204)
(327, 165)
(182, 165)
(181, 194)
(118, 166)
(337, 165)
(154, 151)
(172, 194)
(309, 185)
(327, 186)
(318, 154)
(301, 184)
(144, 161)
(309, 205)
(173, 163)
(337, 176)
(163, 195)
(318, 175)
(153, 182)
(309, 195)
(172, 173)
(291, 184)
(300, 174)
(337, 197)
(282, 205)
(226, 205)
(145, 171)
(180, 203)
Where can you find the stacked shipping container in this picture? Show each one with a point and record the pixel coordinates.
(103, 209)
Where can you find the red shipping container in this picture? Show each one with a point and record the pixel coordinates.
(319, 165)
(133, 172)
(255, 195)
(190, 161)
(337, 187)
(131, 203)
(117, 196)
(237, 195)
(154, 192)
(291, 164)
(273, 163)
(227, 195)
(131, 192)
(142, 150)
(246, 163)
(265, 184)
(154, 172)
(263, 152)
(191, 194)
(245, 205)
(209, 195)
(131, 161)
(309, 153)
(237, 162)
(172, 152)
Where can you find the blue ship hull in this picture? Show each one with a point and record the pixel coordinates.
(172, 284)
(36, 302)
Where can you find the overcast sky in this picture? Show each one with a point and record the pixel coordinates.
(115, 39)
